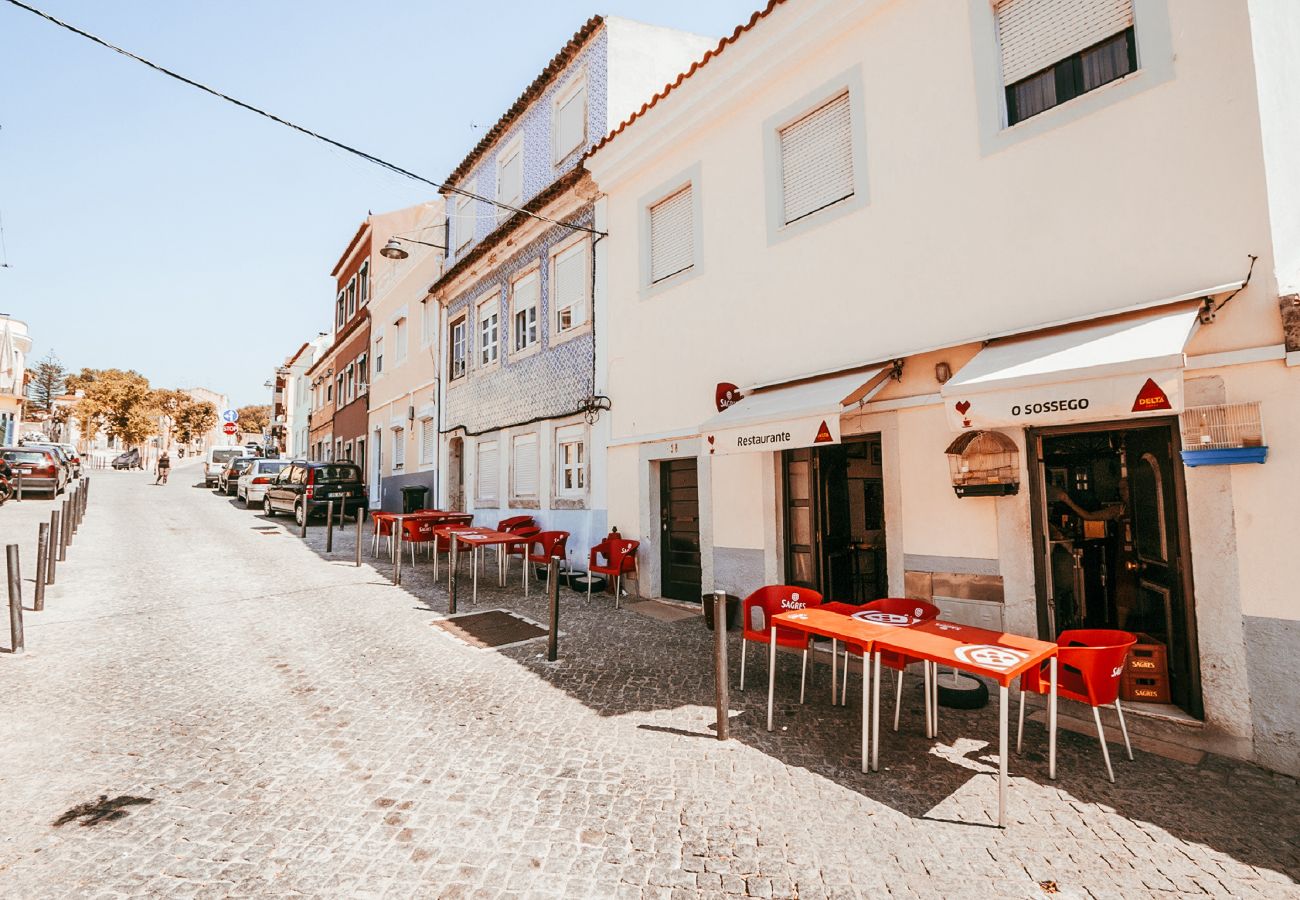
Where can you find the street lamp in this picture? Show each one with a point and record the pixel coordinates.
(394, 249)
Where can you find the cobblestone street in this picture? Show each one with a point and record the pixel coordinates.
(206, 709)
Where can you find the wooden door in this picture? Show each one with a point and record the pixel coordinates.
(679, 546)
(802, 548)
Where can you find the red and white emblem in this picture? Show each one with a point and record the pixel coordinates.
(876, 617)
(990, 656)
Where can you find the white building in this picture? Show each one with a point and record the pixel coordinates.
(214, 437)
(1068, 231)
(15, 345)
(296, 397)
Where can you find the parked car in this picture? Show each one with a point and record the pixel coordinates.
(41, 468)
(217, 459)
(67, 456)
(227, 480)
(303, 488)
(128, 460)
(257, 477)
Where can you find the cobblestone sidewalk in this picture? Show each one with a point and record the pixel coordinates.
(209, 708)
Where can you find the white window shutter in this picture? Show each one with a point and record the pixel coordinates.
(512, 188)
(465, 218)
(399, 447)
(487, 471)
(570, 288)
(428, 440)
(1034, 34)
(817, 159)
(525, 465)
(570, 125)
(672, 235)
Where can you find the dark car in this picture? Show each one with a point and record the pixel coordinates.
(226, 481)
(128, 460)
(42, 470)
(303, 488)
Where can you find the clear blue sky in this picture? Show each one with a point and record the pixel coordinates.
(153, 227)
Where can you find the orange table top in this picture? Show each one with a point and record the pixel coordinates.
(484, 537)
(830, 623)
(997, 655)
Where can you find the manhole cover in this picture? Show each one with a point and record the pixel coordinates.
(491, 628)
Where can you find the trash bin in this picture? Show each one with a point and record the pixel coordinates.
(733, 611)
(413, 497)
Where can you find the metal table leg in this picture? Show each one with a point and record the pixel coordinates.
(929, 722)
(1051, 720)
(1002, 756)
(473, 564)
(875, 707)
(771, 675)
(866, 710)
(834, 667)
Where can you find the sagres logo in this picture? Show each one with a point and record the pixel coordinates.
(823, 435)
(1151, 398)
(990, 656)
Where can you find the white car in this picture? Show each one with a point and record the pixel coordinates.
(217, 459)
(252, 485)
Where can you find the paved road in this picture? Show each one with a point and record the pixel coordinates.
(207, 710)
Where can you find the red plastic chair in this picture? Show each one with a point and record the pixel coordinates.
(418, 531)
(903, 612)
(1088, 669)
(757, 610)
(520, 548)
(515, 523)
(620, 555)
(552, 543)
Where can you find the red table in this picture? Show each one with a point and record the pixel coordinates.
(995, 655)
(477, 540)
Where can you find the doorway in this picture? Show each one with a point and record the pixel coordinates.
(679, 513)
(456, 474)
(376, 481)
(1110, 541)
(835, 519)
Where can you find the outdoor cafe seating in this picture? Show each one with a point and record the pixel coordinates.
(900, 612)
(757, 611)
(548, 544)
(620, 559)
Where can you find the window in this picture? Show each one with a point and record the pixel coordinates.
(510, 177)
(347, 451)
(338, 312)
(338, 390)
(363, 374)
(817, 159)
(399, 341)
(428, 441)
(459, 350)
(379, 355)
(570, 461)
(523, 469)
(399, 448)
(569, 287)
(1052, 54)
(672, 235)
(352, 384)
(525, 298)
(352, 296)
(428, 321)
(464, 221)
(488, 475)
(363, 284)
(329, 393)
(489, 331)
(570, 120)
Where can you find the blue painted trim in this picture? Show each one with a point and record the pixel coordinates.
(1230, 457)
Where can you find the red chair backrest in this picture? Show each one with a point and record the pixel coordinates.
(759, 607)
(915, 610)
(514, 523)
(417, 530)
(1095, 657)
(552, 543)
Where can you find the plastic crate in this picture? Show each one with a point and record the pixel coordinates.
(1146, 672)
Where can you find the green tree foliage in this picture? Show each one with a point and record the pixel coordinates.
(118, 401)
(194, 419)
(254, 419)
(47, 382)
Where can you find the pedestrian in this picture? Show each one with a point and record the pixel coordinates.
(164, 466)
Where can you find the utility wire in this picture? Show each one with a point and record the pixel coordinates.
(392, 167)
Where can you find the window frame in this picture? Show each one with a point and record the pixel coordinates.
(565, 435)
(1068, 77)
(576, 83)
(481, 500)
(351, 291)
(691, 177)
(379, 353)
(363, 284)
(511, 149)
(582, 244)
(465, 214)
(363, 375)
(427, 449)
(490, 301)
(401, 337)
(399, 448)
(532, 273)
(515, 494)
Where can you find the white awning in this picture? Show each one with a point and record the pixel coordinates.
(1110, 369)
(799, 414)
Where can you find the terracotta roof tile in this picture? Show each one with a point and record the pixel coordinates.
(723, 44)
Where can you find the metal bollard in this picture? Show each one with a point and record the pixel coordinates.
(63, 532)
(52, 552)
(398, 528)
(553, 601)
(329, 527)
(74, 505)
(42, 551)
(720, 660)
(451, 575)
(361, 514)
(15, 599)
(18, 490)
(302, 529)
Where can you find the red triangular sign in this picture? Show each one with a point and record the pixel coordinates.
(1151, 398)
(823, 435)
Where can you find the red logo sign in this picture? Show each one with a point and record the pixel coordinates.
(823, 435)
(962, 406)
(1151, 398)
(230, 428)
(727, 395)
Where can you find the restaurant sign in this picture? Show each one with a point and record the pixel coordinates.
(1089, 400)
(788, 434)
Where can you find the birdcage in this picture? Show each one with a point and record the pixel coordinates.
(984, 464)
(1223, 435)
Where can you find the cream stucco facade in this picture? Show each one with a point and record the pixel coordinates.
(960, 230)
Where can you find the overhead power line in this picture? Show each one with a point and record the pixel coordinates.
(368, 157)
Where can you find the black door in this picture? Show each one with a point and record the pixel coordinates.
(679, 549)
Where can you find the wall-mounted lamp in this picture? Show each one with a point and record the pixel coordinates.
(394, 249)
(942, 372)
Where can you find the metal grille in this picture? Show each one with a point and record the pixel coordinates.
(525, 465)
(817, 159)
(672, 235)
(1035, 34)
(487, 471)
(1227, 426)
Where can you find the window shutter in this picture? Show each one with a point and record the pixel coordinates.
(487, 471)
(570, 287)
(817, 159)
(399, 448)
(672, 235)
(428, 440)
(526, 465)
(465, 219)
(1034, 34)
(569, 122)
(512, 181)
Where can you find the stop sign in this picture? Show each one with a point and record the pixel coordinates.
(230, 428)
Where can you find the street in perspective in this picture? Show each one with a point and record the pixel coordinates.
(839, 449)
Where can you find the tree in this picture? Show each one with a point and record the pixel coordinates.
(120, 402)
(254, 419)
(194, 419)
(47, 383)
(168, 405)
